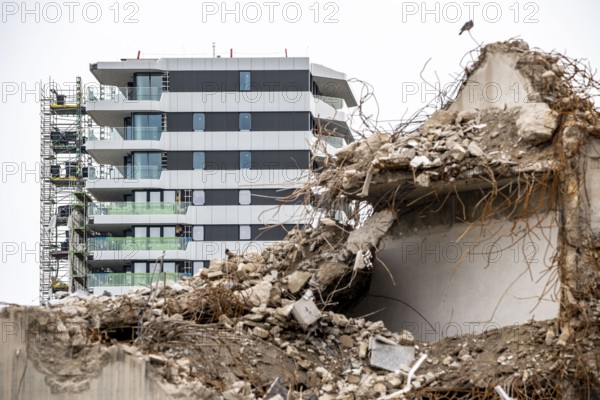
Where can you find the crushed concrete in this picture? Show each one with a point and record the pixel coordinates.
(272, 325)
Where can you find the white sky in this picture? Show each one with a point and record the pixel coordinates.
(384, 43)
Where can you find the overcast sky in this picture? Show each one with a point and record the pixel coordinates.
(385, 43)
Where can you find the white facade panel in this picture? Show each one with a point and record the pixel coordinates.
(215, 179)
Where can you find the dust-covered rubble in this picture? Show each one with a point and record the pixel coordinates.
(271, 325)
(233, 329)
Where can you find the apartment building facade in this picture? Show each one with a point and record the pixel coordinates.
(200, 156)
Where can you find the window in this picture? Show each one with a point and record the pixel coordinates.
(154, 231)
(244, 80)
(198, 232)
(154, 197)
(245, 121)
(169, 196)
(199, 198)
(146, 126)
(140, 197)
(169, 231)
(139, 267)
(147, 86)
(140, 231)
(168, 266)
(198, 161)
(245, 159)
(245, 197)
(146, 165)
(199, 122)
(245, 232)
(198, 266)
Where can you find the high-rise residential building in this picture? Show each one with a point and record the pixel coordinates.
(194, 157)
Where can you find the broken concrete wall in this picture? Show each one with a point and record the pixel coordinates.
(28, 352)
(495, 82)
(447, 283)
(592, 179)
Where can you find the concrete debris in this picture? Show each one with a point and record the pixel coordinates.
(391, 357)
(536, 123)
(305, 311)
(367, 236)
(241, 329)
(237, 330)
(297, 280)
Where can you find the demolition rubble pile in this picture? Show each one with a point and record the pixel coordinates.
(458, 144)
(250, 326)
(269, 325)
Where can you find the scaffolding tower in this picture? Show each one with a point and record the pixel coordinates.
(64, 167)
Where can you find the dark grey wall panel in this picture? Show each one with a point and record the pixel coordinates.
(221, 197)
(230, 160)
(278, 232)
(222, 121)
(230, 197)
(228, 81)
(272, 197)
(230, 121)
(220, 160)
(281, 121)
(180, 122)
(221, 232)
(280, 159)
(180, 160)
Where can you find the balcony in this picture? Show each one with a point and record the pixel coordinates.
(121, 172)
(131, 279)
(133, 208)
(121, 94)
(136, 243)
(123, 133)
(335, 102)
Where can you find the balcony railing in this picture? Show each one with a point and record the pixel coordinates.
(119, 172)
(120, 94)
(124, 133)
(132, 244)
(131, 279)
(134, 208)
(334, 102)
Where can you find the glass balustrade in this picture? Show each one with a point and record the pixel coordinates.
(124, 133)
(334, 102)
(120, 94)
(136, 208)
(131, 279)
(118, 172)
(132, 244)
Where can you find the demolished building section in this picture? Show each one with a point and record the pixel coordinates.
(277, 324)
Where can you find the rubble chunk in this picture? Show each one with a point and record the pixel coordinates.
(297, 280)
(536, 123)
(389, 357)
(475, 150)
(306, 312)
(256, 295)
